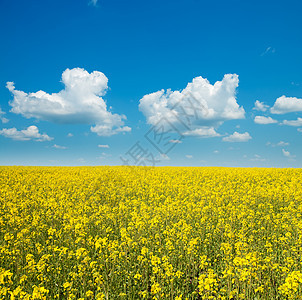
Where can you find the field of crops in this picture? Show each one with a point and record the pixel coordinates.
(150, 233)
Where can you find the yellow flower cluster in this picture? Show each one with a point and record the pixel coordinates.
(150, 233)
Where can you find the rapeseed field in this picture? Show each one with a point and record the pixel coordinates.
(150, 233)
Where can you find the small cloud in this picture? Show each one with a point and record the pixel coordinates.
(287, 154)
(202, 132)
(216, 151)
(296, 123)
(260, 106)
(189, 156)
(237, 126)
(280, 144)
(2, 118)
(264, 120)
(69, 135)
(237, 137)
(30, 133)
(105, 130)
(59, 147)
(103, 146)
(284, 105)
(175, 141)
(268, 50)
(299, 129)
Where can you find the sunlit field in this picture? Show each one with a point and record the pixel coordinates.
(150, 233)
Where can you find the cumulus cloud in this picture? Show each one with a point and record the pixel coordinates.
(79, 102)
(202, 132)
(285, 105)
(30, 133)
(189, 156)
(69, 135)
(260, 106)
(2, 118)
(199, 105)
(287, 154)
(264, 120)
(103, 146)
(237, 137)
(296, 123)
(107, 130)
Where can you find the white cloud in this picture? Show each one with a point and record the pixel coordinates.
(200, 104)
(216, 151)
(285, 105)
(103, 146)
(106, 130)
(79, 102)
(30, 133)
(189, 156)
(175, 141)
(2, 118)
(268, 50)
(59, 147)
(237, 137)
(260, 106)
(280, 144)
(287, 154)
(69, 135)
(264, 120)
(299, 129)
(295, 123)
(202, 132)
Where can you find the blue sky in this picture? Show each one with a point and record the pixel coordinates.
(180, 83)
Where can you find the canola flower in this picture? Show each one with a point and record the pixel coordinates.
(150, 233)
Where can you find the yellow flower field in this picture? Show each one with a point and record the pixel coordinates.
(150, 233)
